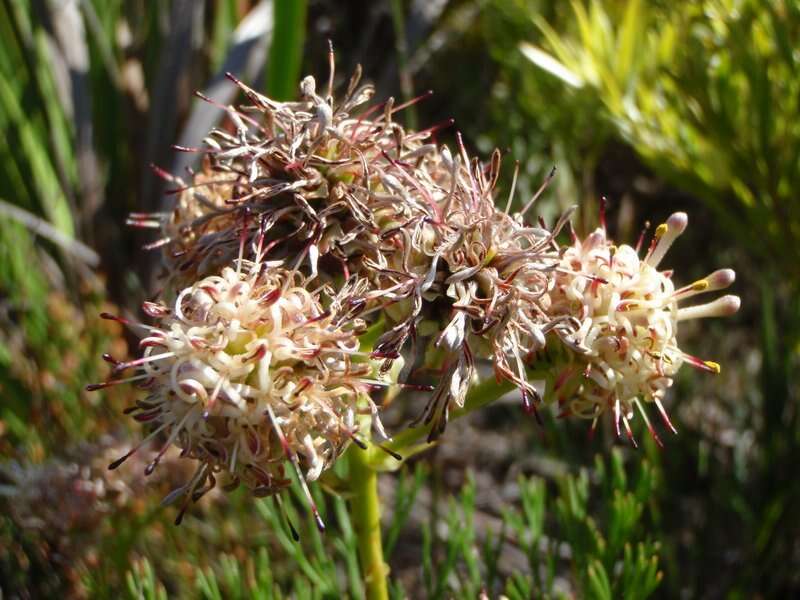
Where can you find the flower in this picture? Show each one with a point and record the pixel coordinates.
(247, 372)
(324, 183)
(625, 350)
(343, 191)
(409, 232)
(486, 293)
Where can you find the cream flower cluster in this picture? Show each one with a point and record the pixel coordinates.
(246, 373)
(625, 349)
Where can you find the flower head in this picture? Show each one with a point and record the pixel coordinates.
(246, 373)
(342, 191)
(409, 232)
(626, 348)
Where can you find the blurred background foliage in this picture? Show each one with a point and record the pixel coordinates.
(658, 106)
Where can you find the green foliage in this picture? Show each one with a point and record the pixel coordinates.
(406, 494)
(707, 94)
(590, 535)
(591, 532)
(286, 53)
(142, 583)
(38, 163)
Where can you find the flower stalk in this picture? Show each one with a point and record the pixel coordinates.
(409, 441)
(366, 515)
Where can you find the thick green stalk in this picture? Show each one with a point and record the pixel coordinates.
(365, 509)
(366, 516)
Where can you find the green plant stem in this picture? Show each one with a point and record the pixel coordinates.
(406, 83)
(366, 516)
(286, 52)
(479, 395)
(365, 509)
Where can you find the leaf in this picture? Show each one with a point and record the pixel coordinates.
(599, 585)
(286, 51)
(548, 63)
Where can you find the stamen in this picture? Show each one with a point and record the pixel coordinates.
(157, 244)
(121, 366)
(133, 450)
(513, 188)
(390, 452)
(640, 241)
(423, 96)
(93, 387)
(540, 191)
(292, 456)
(145, 223)
(703, 365)
(629, 432)
(665, 416)
(721, 307)
(718, 280)
(647, 422)
(424, 133)
(167, 176)
(603, 203)
(665, 235)
(331, 69)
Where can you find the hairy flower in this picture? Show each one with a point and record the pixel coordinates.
(247, 372)
(325, 184)
(485, 295)
(342, 191)
(626, 345)
(353, 201)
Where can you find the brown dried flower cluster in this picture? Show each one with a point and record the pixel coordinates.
(409, 228)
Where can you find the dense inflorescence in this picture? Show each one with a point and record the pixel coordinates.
(362, 197)
(625, 350)
(310, 221)
(246, 372)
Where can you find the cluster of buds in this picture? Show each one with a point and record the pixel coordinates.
(313, 220)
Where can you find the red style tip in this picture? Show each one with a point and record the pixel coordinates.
(603, 205)
(655, 436)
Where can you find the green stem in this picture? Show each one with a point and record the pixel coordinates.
(479, 395)
(365, 508)
(286, 52)
(406, 83)
(366, 516)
